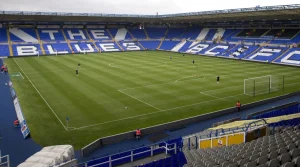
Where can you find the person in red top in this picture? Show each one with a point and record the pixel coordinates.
(138, 134)
(16, 123)
(238, 107)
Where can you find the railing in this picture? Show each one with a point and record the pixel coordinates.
(4, 160)
(219, 133)
(167, 149)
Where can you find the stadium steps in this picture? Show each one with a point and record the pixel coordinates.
(66, 39)
(250, 54)
(180, 36)
(230, 34)
(220, 32)
(266, 32)
(22, 35)
(179, 46)
(111, 36)
(166, 33)
(86, 31)
(40, 42)
(295, 35)
(233, 48)
(9, 43)
(141, 45)
(119, 45)
(146, 33)
(130, 34)
(202, 34)
(281, 55)
(162, 40)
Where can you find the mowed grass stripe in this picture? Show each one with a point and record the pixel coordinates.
(74, 97)
(107, 96)
(135, 74)
(111, 91)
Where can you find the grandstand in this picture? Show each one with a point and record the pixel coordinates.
(137, 72)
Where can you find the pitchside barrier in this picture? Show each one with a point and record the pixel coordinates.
(233, 136)
(174, 125)
(4, 160)
(23, 124)
(226, 121)
(127, 156)
(250, 116)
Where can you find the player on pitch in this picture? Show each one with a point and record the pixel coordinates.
(77, 72)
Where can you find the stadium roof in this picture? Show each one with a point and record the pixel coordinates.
(281, 12)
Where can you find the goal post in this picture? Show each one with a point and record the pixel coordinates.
(263, 85)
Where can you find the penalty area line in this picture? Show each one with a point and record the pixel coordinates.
(111, 65)
(210, 95)
(137, 116)
(21, 75)
(40, 95)
(140, 100)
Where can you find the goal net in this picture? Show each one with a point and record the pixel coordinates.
(263, 85)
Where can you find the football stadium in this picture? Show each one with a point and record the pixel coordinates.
(217, 88)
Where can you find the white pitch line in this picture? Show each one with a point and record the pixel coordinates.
(140, 100)
(51, 71)
(184, 78)
(40, 94)
(110, 65)
(137, 116)
(21, 75)
(200, 103)
(210, 95)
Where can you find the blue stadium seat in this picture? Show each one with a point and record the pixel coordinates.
(25, 49)
(138, 33)
(108, 46)
(150, 45)
(3, 35)
(83, 46)
(191, 33)
(4, 51)
(23, 35)
(292, 56)
(113, 31)
(99, 34)
(59, 47)
(156, 33)
(272, 52)
(240, 51)
(175, 33)
(168, 45)
(75, 34)
(210, 34)
(275, 113)
(51, 34)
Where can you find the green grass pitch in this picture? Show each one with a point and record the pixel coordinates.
(121, 91)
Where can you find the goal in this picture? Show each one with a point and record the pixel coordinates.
(263, 85)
